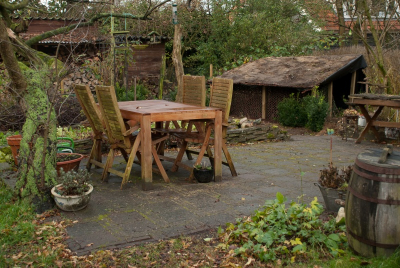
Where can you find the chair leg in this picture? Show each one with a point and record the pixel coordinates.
(229, 159)
(210, 156)
(189, 155)
(92, 155)
(179, 156)
(202, 150)
(125, 155)
(108, 165)
(159, 165)
(130, 160)
(98, 150)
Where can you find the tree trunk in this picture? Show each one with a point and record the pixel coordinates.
(37, 155)
(177, 59)
(379, 60)
(341, 22)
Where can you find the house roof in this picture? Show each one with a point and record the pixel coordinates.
(295, 72)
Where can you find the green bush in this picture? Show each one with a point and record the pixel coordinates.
(309, 111)
(141, 92)
(317, 110)
(291, 113)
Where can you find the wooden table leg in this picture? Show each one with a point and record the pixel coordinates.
(145, 131)
(218, 146)
(369, 122)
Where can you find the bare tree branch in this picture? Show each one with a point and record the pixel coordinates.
(71, 27)
(12, 7)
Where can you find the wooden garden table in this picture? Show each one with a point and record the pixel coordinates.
(381, 101)
(148, 111)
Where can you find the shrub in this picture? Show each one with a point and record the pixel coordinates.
(291, 113)
(317, 110)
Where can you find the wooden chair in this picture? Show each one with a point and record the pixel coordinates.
(194, 93)
(221, 97)
(93, 114)
(120, 136)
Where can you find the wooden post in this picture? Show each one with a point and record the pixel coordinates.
(264, 102)
(162, 75)
(330, 98)
(211, 71)
(135, 87)
(353, 84)
(177, 60)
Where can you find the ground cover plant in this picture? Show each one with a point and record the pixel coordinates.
(285, 234)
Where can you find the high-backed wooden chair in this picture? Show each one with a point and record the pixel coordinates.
(194, 92)
(221, 97)
(120, 136)
(93, 114)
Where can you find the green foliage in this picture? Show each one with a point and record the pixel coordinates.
(141, 92)
(202, 166)
(73, 182)
(242, 31)
(310, 111)
(317, 110)
(75, 133)
(286, 233)
(4, 135)
(15, 222)
(291, 112)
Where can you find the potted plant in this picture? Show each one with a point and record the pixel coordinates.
(68, 161)
(203, 173)
(333, 184)
(73, 191)
(14, 143)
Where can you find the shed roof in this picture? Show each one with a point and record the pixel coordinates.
(295, 72)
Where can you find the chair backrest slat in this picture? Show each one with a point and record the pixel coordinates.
(194, 90)
(110, 110)
(221, 96)
(90, 108)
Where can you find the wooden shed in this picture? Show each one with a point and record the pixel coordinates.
(88, 40)
(260, 85)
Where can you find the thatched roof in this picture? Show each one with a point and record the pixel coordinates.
(295, 72)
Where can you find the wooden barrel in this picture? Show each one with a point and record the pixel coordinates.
(373, 204)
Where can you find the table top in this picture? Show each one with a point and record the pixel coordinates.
(375, 100)
(160, 106)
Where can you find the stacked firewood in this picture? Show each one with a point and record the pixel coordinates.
(79, 76)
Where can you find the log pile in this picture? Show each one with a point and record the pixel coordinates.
(79, 76)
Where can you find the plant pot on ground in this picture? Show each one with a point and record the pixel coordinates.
(73, 191)
(68, 161)
(14, 143)
(333, 185)
(203, 173)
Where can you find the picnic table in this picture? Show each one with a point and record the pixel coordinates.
(380, 101)
(148, 111)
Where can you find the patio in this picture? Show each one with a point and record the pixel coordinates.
(118, 218)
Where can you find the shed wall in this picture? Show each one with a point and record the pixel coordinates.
(247, 101)
(147, 62)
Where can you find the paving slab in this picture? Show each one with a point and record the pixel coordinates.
(118, 218)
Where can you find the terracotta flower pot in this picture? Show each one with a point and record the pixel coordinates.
(70, 164)
(14, 143)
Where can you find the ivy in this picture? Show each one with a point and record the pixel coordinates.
(286, 233)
